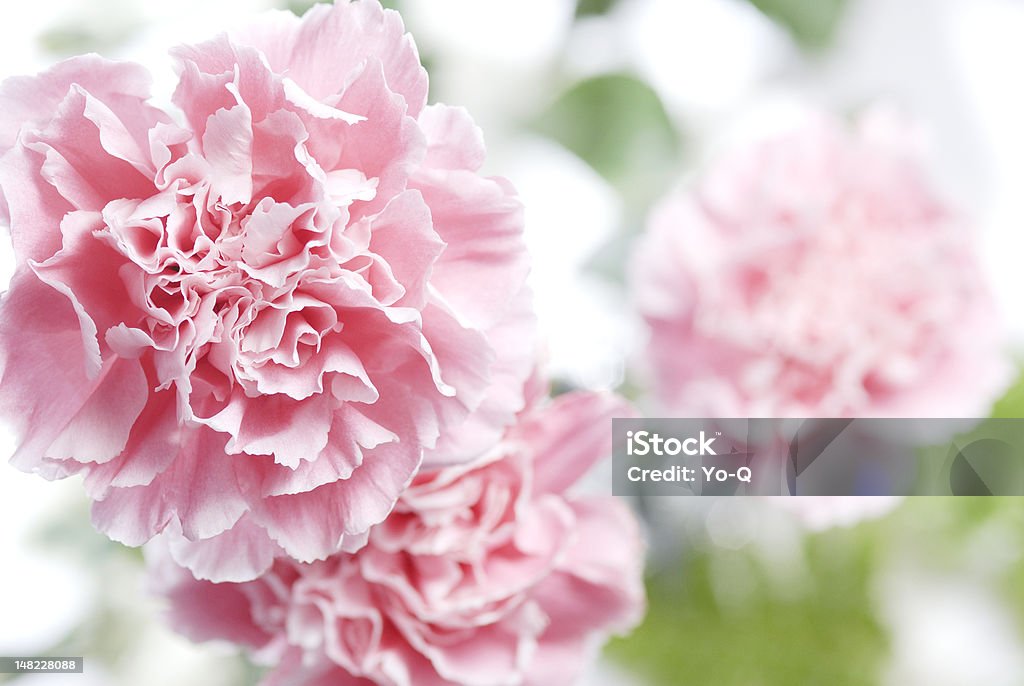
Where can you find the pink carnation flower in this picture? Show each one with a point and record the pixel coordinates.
(817, 274)
(248, 323)
(486, 574)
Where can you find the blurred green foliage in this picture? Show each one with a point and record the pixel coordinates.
(812, 23)
(71, 38)
(70, 41)
(300, 7)
(722, 617)
(590, 7)
(618, 125)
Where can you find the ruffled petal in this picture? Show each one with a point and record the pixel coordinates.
(454, 141)
(515, 356)
(99, 431)
(310, 526)
(351, 434)
(86, 271)
(569, 436)
(78, 164)
(200, 490)
(34, 207)
(481, 222)
(227, 146)
(40, 333)
(343, 35)
(202, 610)
(240, 553)
(290, 430)
(403, 236)
(28, 102)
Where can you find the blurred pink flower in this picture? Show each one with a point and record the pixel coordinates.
(248, 325)
(485, 574)
(817, 274)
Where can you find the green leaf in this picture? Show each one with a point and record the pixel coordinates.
(585, 8)
(619, 126)
(812, 23)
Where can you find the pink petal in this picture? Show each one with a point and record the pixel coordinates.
(453, 140)
(201, 490)
(27, 102)
(35, 208)
(294, 670)
(202, 610)
(463, 355)
(290, 430)
(40, 401)
(487, 656)
(481, 222)
(570, 435)
(513, 339)
(240, 553)
(351, 433)
(278, 171)
(344, 35)
(403, 236)
(608, 551)
(382, 147)
(86, 271)
(334, 359)
(218, 74)
(151, 448)
(227, 146)
(310, 526)
(99, 430)
(77, 163)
